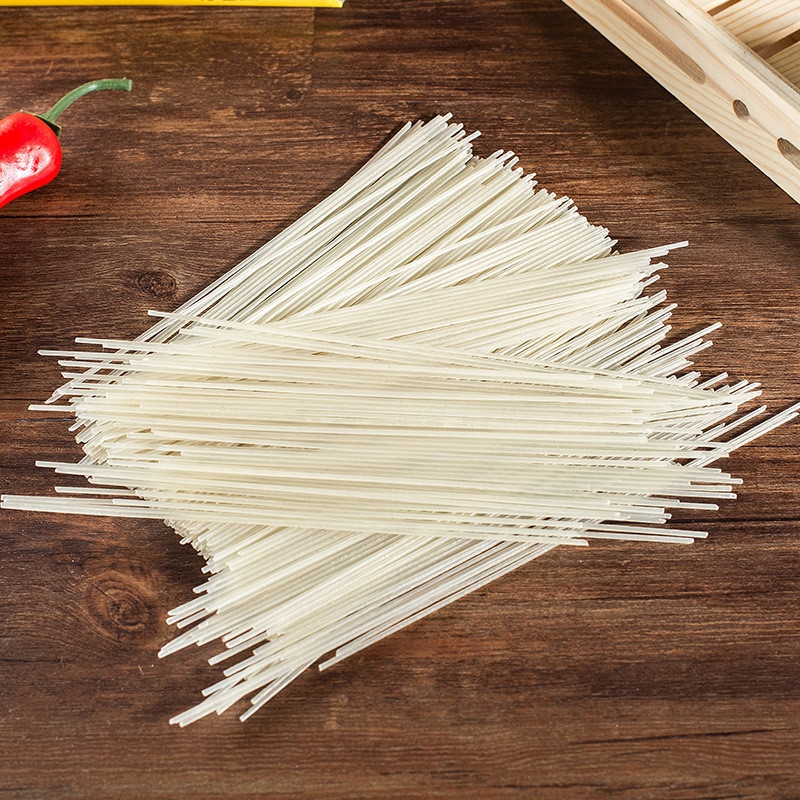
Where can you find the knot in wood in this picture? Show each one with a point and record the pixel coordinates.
(121, 610)
(156, 283)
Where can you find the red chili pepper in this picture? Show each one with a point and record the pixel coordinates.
(30, 153)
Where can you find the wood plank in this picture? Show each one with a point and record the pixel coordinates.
(760, 23)
(787, 62)
(713, 73)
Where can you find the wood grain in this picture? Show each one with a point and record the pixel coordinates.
(624, 671)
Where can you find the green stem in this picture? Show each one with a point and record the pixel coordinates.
(123, 84)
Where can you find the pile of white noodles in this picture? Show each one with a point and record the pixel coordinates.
(433, 377)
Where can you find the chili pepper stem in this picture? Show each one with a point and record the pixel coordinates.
(121, 84)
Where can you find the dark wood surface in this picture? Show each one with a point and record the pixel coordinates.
(625, 671)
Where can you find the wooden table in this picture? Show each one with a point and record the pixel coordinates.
(625, 671)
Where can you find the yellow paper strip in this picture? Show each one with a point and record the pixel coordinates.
(327, 3)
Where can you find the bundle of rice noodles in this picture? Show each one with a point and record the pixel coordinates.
(435, 376)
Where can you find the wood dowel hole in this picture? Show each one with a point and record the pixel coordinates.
(789, 151)
(741, 110)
